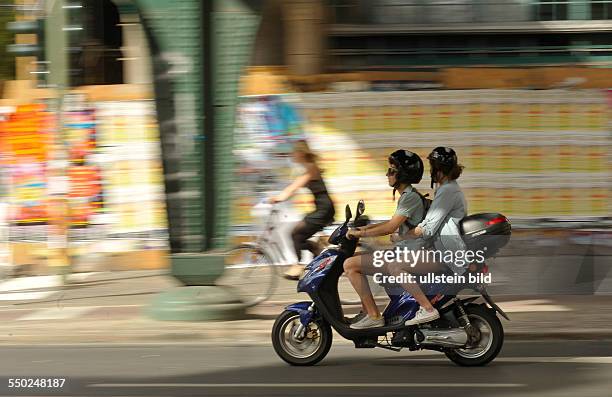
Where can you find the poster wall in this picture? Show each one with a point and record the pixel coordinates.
(529, 154)
(110, 174)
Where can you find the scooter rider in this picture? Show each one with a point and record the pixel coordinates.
(439, 230)
(405, 168)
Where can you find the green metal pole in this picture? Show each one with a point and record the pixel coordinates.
(56, 50)
(56, 44)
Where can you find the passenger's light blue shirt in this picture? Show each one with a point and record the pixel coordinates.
(441, 224)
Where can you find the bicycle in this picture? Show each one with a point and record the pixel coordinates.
(251, 267)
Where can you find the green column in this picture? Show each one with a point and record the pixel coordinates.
(177, 28)
(234, 27)
(56, 44)
(206, 45)
(199, 50)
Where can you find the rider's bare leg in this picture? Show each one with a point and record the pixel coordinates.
(353, 269)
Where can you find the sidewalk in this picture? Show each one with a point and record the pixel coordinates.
(108, 308)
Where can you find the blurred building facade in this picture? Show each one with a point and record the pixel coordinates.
(147, 91)
(190, 74)
(350, 35)
(105, 42)
(519, 88)
(468, 32)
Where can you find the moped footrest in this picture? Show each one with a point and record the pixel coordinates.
(368, 343)
(403, 338)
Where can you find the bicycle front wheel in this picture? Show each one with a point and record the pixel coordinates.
(251, 272)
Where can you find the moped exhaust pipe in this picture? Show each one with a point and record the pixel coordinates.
(454, 337)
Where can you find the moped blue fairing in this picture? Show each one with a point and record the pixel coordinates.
(302, 309)
(318, 269)
(404, 305)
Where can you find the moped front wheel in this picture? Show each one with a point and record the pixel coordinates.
(302, 350)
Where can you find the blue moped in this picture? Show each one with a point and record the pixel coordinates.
(469, 333)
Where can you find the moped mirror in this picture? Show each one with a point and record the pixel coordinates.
(360, 208)
(348, 212)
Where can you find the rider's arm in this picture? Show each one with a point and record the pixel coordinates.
(383, 229)
(443, 203)
(311, 173)
(373, 225)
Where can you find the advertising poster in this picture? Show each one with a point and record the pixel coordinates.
(25, 142)
(85, 184)
(130, 161)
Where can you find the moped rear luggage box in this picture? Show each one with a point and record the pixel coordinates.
(488, 232)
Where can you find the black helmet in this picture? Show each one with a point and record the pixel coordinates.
(441, 159)
(409, 166)
(444, 156)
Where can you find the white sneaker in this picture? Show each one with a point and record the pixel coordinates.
(356, 318)
(368, 322)
(423, 316)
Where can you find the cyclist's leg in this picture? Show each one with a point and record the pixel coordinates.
(300, 235)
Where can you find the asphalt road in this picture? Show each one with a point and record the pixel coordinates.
(523, 369)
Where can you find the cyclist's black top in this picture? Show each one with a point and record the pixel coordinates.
(324, 211)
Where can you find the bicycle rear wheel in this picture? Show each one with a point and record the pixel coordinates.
(251, 272)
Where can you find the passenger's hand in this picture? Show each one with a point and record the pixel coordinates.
(352, 234)
(274, 200)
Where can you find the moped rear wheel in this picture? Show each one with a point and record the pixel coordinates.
(489, 343)
(308, 350)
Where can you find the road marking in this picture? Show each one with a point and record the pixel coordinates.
(26, 283)
(565, 360)
(11, 308)
(534, 360)
(532, 305)
(54, 313)
(302, 385)
(26, 296)
(20, 288)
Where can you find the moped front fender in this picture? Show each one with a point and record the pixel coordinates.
(303, 309)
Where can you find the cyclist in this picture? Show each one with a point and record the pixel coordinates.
(405, 169)
(324, 206)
